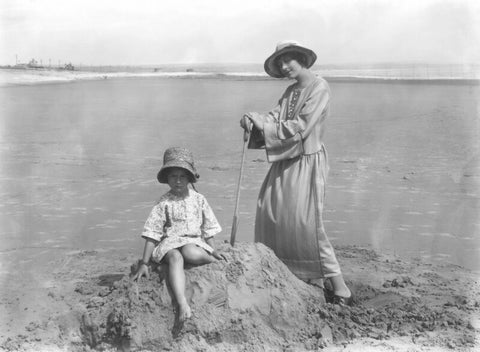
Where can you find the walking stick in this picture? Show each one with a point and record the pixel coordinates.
(246, 137)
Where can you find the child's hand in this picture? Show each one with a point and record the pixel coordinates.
(142, 271)
(219, 256)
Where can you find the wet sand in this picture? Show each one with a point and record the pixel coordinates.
(78, 161)
(77, 174)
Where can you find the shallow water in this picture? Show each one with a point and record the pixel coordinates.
(79, 161)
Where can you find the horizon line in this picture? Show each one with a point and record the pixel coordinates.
(373, 63)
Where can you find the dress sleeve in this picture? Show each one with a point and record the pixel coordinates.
(283, 138)
(257, 141)
(210, 226)
(154, 226)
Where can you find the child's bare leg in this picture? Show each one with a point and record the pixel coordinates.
(176, 278)
(195, 255)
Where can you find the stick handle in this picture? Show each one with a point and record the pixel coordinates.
(233, 234)
(246, 136)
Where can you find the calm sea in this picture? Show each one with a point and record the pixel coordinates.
(78, 161)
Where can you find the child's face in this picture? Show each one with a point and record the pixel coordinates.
(178, 181)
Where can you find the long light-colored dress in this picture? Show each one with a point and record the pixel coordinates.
(176, 221)
(290, 204)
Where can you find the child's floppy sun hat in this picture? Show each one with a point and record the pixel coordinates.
(177, 157)
(288, 46)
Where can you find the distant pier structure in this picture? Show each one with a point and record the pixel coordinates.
(33, 64)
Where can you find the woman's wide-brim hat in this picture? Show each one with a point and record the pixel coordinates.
(177, 157)
(287, 46)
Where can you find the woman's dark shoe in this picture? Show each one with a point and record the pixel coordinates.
(343, 301)
(331, 297)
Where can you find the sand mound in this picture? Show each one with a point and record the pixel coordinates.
(249, 300)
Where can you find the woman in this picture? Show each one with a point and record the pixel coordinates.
(291, 199)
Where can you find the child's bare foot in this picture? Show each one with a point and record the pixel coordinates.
(184, 312)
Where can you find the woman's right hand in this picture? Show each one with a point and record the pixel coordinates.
(246, 122)
(142, 271)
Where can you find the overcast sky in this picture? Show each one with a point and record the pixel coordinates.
(243, 31)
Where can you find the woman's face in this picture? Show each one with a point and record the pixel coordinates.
(289, 66)
(178, 181)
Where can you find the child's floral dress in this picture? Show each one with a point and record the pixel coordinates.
(177, 221)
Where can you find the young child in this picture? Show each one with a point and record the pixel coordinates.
(180, 228)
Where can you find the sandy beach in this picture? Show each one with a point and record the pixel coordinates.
(400, 306)
(77, 182)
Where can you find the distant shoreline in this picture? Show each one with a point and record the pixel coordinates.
(15, 77)
(454, 80)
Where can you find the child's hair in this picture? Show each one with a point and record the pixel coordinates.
(191, 178)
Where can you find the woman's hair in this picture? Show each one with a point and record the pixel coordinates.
(299, 57)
